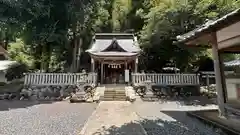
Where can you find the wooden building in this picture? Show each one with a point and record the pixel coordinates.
(223, 36)
(113, 55)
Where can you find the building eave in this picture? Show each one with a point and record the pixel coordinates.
(210, 27)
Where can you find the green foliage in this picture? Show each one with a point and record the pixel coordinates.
(16, 71)
(49, 29)
(168, 18)
(18, 52)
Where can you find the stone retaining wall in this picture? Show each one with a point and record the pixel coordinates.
(43, 93)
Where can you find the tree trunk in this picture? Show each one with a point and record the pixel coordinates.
(73, 66)
(42, 58)
(48, 58)
(6, 43)
(79, 53)
(45, 58)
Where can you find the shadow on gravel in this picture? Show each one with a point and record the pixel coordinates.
(181, 126)
(188, 101)
(6, 105)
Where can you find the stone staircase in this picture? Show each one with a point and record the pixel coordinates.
(114, 94)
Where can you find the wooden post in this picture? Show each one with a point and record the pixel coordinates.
(223, 78)
(101, 72)
(207, 79)
(218, 76)
(93, 64)
(136, 65)
(125, 64)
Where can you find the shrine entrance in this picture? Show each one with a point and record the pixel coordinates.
(114, 73)
(112, 54)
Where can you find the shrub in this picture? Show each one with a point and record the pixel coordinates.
(16, 71)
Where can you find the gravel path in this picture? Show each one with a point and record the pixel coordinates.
(58, 118)
(169, 118)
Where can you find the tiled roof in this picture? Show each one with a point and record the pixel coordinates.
(207, 26)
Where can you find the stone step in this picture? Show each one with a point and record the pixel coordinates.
(119, 98)
(114, 91)
(114, 99)
(113, 96)
(116, 95)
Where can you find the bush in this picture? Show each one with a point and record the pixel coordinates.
(16, 72)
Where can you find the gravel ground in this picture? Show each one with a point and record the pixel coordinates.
(29, 118)
(169, 118)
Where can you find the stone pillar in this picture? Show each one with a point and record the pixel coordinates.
(136, 65)
(93, 65)
(218, 77)
(101, 72)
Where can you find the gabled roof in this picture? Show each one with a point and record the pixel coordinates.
(232, 63)
(114, 47)
(125, 41)
(211, 26)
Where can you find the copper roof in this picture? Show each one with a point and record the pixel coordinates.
(103, 40)
(113, 54)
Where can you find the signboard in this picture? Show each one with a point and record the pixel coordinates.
(126, 75)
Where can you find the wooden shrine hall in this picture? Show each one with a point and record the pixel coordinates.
(114, 56)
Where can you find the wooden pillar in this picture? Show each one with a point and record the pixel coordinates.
(208, 83)
(102, 72)
(93, 65)
(218, 76)
(136, 65)
(223, 77)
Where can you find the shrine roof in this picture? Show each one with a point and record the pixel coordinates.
(102, 41)
(113, 54)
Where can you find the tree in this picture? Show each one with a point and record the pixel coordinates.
(52, 31)
(168, 18)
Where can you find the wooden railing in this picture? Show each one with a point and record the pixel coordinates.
(46, 79)
(165, 79)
